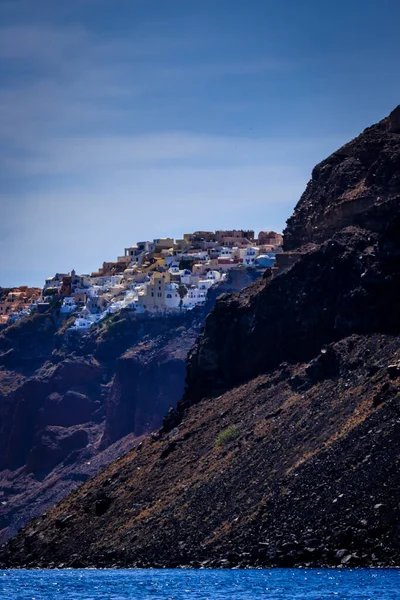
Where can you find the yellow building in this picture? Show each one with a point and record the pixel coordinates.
(153, 266)
(200, 268)
(163, 244)
(154, 297)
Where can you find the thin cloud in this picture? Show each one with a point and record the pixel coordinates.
(81, 83)
(91, 142)
(104, 154)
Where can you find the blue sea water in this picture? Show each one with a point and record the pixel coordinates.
(179, 584)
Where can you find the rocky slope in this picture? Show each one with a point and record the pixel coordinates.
(284, 449)
(70, 405)
(308, 475)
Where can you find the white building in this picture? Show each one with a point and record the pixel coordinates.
(68, 305)
(214, 276)
(194, 297)
(186, 276)
(205, 284)
(249, 255)
(174, 269)
(225, 252)
(197, 256)
(172, 298)
(82, 324)
(54, 282)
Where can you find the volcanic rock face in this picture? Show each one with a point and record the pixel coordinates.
(57, 418)
(148, 381)
(311, 471)
(341, 287)
(284, 449)
(362, 174)
(68, 406)
(53, 421)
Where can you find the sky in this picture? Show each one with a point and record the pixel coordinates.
(125, 120)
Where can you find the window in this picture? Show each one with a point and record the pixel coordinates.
(152, 293)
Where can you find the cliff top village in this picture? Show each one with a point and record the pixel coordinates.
(150, 277)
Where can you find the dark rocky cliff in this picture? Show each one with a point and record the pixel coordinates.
(342, 286)
(65, 411)
(70, 405)
(307, 474)
(284, 449)
(362, 175)
(149, 379)
(345, 279)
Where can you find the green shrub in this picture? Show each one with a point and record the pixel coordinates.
(227, 435)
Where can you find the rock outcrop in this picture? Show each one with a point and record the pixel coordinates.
(356, 185)
(284, 448)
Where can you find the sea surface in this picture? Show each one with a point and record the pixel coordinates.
(179, 584)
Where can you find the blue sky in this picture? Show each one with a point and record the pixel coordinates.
(133, 119)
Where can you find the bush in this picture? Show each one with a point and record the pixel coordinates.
(227, 435)
(186, 264)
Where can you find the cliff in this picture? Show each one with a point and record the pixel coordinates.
(284, 448)
(340, 287)
(308, 475)
(343, 237)
(70, 405)
(353, 186)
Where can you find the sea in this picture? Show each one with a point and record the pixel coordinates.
(181, 584)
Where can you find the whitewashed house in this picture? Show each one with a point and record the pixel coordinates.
(174, 269)
(186, 276)
(172, 298)
(194, 297)
(225, 252)
(249, 255)
(68, 305)
(214, 276)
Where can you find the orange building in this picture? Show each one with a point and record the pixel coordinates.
(66, 286)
